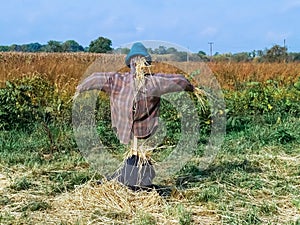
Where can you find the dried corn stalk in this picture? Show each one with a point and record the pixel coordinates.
(141, 65)
(201, 97)
(143, 152)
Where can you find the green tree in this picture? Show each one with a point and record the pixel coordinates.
(241, 57)
(54, 46)
(201, 53)
(150, 50)
(225, 57)
(294, 56)
(276, 54)
(32, 47)
(100, 45)
(161, 50)
(180, 56)
(15, 48)
(202, 56)
(4, 48)
(71, 46)
(171, 50)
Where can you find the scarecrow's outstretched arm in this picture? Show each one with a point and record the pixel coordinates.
(166, 83)
(96, 81)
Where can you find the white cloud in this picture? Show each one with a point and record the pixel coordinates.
(139, 29)
(209, 32)
(290, 5)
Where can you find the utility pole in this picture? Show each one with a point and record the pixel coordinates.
(210, 49)
(285, 50)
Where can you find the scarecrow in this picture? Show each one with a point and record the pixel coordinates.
(134, 103)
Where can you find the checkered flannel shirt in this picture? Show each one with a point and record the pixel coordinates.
(134, 113)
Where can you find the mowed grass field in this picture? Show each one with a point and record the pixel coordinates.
(254, 179)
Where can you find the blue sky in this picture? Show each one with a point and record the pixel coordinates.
(232, 25)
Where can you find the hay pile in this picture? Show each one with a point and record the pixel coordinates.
(109, 203)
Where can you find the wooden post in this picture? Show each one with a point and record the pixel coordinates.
(135, 145)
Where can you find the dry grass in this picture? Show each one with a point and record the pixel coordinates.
(102, 204)
(3, 182)
(237, 200)
(109, 203)
(231, 75)
(72, 67)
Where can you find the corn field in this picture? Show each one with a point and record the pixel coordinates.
(62, 68)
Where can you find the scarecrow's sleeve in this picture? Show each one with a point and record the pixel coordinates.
(166, 83)
(96, 81)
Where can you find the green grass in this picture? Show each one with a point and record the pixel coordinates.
(255, 178)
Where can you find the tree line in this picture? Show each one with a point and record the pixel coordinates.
(100, 45)
(276, 53)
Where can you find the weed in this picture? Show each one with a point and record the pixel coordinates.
(296, 202)
(21, 184)
(282, 136)
(6, 218)
(145, 219)
(212, 193)
(4, 200)
(68, 180)
(268, 209)
(36, 206)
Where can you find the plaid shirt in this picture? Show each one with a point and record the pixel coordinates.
(134, 113)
